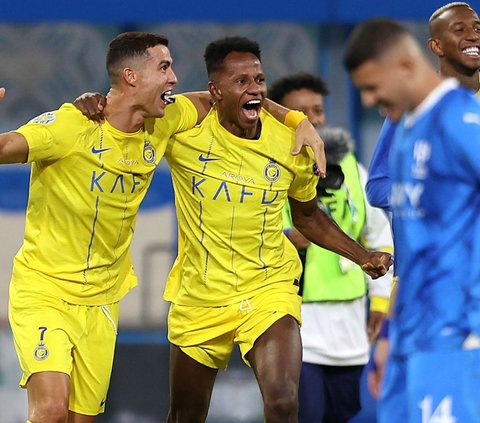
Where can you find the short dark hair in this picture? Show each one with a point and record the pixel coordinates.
(370, 40)
(217, 50)
(296, 81)
(130, 45)
(446, 7)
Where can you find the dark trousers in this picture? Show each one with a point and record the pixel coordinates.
(329, 394)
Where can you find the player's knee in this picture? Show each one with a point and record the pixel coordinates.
(50, 411)
(282, 402)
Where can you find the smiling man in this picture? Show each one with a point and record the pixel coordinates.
(455, 40)
(87, 183)
(235, 280)
(432, 371)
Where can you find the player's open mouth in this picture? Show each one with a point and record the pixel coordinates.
(471, 51)
(167, 97)
(251, 108)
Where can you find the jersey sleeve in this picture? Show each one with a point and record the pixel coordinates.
(304, 185)
(379, 181)
(179, 116)
(462, 129)
(376, 235)
(50, 136)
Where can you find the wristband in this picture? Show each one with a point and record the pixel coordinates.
(384, 329)
(286, 231)
(293, 118)
(379, 304)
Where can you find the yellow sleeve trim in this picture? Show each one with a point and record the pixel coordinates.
(293, 118)
(379, 304)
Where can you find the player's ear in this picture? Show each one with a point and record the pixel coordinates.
(434, 45)
(129, 76)
(215, 91)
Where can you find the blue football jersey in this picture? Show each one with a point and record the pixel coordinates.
(435, 199)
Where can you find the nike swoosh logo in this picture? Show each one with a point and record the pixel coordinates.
(202, 158)
(100, 150)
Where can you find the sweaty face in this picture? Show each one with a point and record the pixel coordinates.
(155, 81)
(308, 102)
(239, 90)
(383, 84)
(458, 34)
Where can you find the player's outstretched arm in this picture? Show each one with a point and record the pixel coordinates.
(315, 225)
(92, 105)
(13, 146)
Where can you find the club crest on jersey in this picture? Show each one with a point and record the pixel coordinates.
(149, 153)
(45, 118)
(41, 352)
(271, 172)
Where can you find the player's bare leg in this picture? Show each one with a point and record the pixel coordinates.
(48, 394)
(191, 385)
(276, 359)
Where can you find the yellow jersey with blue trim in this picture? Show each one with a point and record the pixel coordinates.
(229, 195)
(87, 183)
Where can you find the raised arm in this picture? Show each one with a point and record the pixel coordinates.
(13, 146)
(93, 104)
(316, 226)
(202, 102)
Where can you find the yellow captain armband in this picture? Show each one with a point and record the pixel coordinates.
(379, 304)
(293, 118)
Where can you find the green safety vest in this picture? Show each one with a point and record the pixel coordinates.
(327, 275)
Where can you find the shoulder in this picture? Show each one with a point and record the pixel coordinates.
(65, 119)
(66, 111)
(460, 108)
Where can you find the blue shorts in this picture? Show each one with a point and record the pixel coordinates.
(432, 387)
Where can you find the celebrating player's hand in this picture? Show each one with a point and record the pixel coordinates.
(92, 105)
(2, 93)
(307, 135)
(376, 263)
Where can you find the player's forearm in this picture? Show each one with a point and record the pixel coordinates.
(276, 110)
(323, 231)
(13, 148)
(202, 102)
(378, 192)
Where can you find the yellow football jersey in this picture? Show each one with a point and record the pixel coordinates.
(87, 183)
(229, 194)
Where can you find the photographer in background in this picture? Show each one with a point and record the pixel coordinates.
(336, 326)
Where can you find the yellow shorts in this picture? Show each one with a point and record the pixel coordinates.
(208, 334)
(52, 335)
